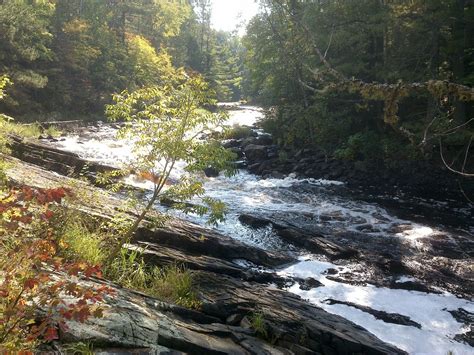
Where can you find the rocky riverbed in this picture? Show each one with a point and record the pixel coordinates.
(382, 262)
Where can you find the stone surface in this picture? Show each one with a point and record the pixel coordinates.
(133, 320)
(393, 318)
(253, 221)
(255, 153)
(211, 172)
(64, 163)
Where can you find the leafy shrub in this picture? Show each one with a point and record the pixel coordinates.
(361, 146)
(29, 254)
(165, 125)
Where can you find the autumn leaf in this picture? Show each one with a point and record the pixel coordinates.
(51, 334)
(30, 284)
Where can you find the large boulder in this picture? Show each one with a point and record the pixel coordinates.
(256, 153)
(253, 221)
(211, 172)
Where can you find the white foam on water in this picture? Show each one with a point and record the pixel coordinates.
(417, 233)
(403, 279)
(438, 326)
(245, 116)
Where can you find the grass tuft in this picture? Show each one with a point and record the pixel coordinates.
(82, 244)
(257, 321)
(80, 348)
(171, 284)
(238, 132)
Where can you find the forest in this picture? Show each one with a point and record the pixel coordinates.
(67, 58)
(170, 186)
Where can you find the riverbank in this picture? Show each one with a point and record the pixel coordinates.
(350, 256)
(231, 294)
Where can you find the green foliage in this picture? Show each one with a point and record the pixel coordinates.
(128, 270)
(28, 254)
(4, 82)
(166, 125)
(174, 283)
(360, 146)
(4, 122)
(151, 68)
(67, 58)
(301, 58)
(24, 43)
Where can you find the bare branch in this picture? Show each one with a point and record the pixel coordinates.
(467, 154)
(329, 44)
(449, 167)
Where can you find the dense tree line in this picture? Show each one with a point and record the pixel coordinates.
(365, 80)
(67, 57)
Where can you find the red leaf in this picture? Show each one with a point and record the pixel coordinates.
(30, 284)
(48, 214)
(51, 334)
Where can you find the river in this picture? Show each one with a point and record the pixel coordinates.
(327, 207)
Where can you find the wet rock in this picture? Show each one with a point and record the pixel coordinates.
(412, 286)
(331, 271)
(234, 319)
(133, 320)
(367, 228)
(196, 240)
(254, 168)
(237, 151)
(463, 316)
(467, 337)
(303, 153)
(276, 175)
(240, 164)
(231, 143)
(264, 139)
(391, 264)
(393, 318)
(309, 284)
(316, 244)
(54, 159)
(248, 141)
(255, 153)
(254, 221)
(467, 318)
(211, 172)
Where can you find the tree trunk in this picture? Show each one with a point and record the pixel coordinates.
(460, 39)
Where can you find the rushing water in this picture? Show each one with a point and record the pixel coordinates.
(324, 206)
